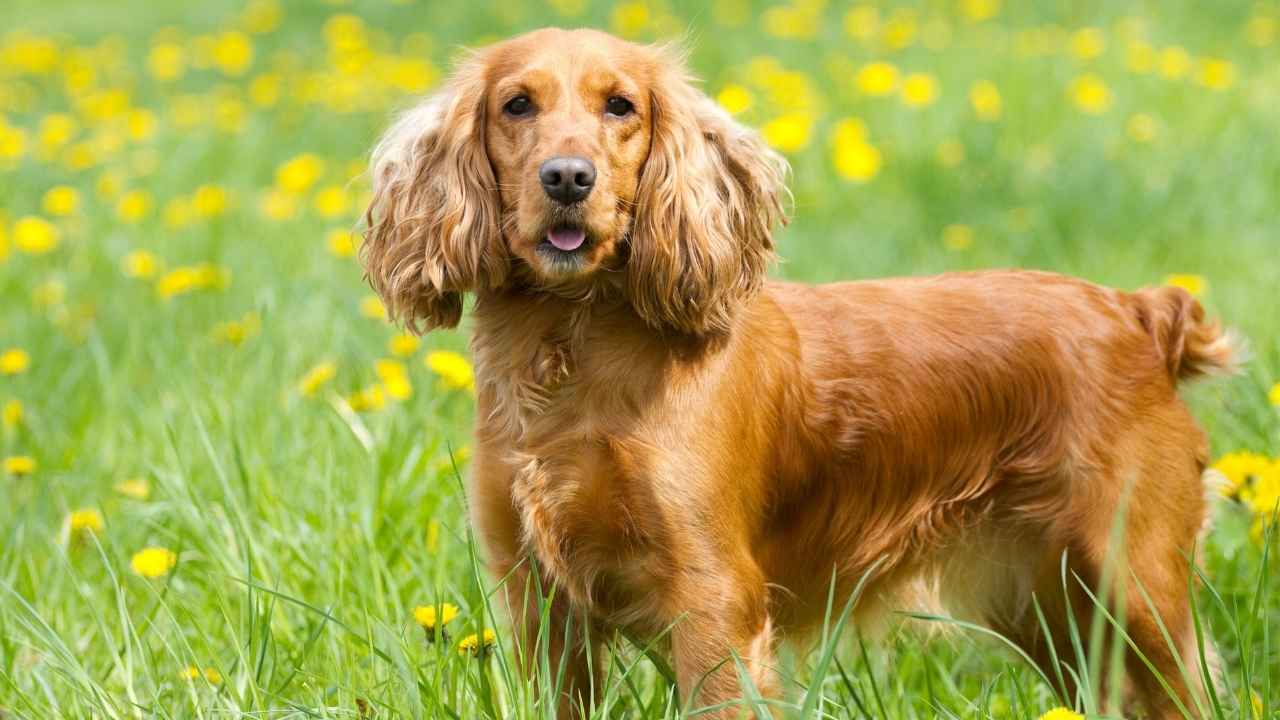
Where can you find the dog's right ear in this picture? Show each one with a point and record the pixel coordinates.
(432, 225)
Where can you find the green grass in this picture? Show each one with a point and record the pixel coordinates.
(306, 533)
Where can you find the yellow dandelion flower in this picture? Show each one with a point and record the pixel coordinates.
(264, 90)
(342, 243)
(13, 141)
(395, 379)
(141, 124)
(1216, 74)
(1088, 43)
(176, 282)
(140, 264)
(14, 361)
(134, 488)
(209, 201)
(56, 130)
(61, 201)
(1140, 58)
(734, 98)
(31, 53)
(1174, 62)
(261, 16)
(316, 378)
(862, 22)
(630, 18)
(919, 90)
(1090, 94)
(370, 399)
(167, 61)
(1141, 127)
(1260, 30)
(300, 173)
(78, 74)
(177, 213)
(35, 235)
(477, 645)
(192, 673)
(979, 10)
(1264, 499)
(429, 616)
(985, 98)
(855, 158)
(799, 21)
(11, 414)
(1241, 469)
(876, 78)
(1061, 713)
(153, 562)
(232, 53)
(331, 202)
(19, 465)
(85, 520)
(108, 184)
(133, 206)
(372, 308)
(1194, 284)
(345, 31)
(900, 29)
(403, 344)
(279, 204)
(790, 132)
(235, 332)
(81, 156)
(454, 369)
(1273, 396)
(957, 238)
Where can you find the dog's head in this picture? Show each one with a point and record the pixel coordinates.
(567, 159)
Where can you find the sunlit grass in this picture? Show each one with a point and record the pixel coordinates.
(229, 485)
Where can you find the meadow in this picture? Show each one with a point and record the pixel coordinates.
(230, 487)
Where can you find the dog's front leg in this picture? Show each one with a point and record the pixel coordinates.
(725, 634)
(562, 656)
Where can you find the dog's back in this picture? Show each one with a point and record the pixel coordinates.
(966, 431)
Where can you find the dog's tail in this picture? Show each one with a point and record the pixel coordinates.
(1190, 345)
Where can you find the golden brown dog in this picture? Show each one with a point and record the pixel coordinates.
(679, 443)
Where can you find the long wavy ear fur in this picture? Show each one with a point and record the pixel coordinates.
(432, 225)
(710, 194)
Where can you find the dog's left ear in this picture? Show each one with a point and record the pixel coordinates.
(709, 197)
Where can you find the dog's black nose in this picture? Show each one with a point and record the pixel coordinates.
(567, 179)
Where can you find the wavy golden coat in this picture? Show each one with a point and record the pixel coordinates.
(671, 441)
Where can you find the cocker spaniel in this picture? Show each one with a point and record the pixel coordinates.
(680, 446)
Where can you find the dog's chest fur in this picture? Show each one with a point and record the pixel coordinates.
(584, 495)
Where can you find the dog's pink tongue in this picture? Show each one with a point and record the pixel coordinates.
(567, 239)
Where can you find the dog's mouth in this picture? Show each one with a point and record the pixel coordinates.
(564, 239)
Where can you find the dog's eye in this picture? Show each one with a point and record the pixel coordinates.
(518, 105)
(619, 106)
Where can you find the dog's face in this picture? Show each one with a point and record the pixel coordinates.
(564, 161)
(567, 131)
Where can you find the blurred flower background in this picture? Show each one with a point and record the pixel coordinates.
(229, 484)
